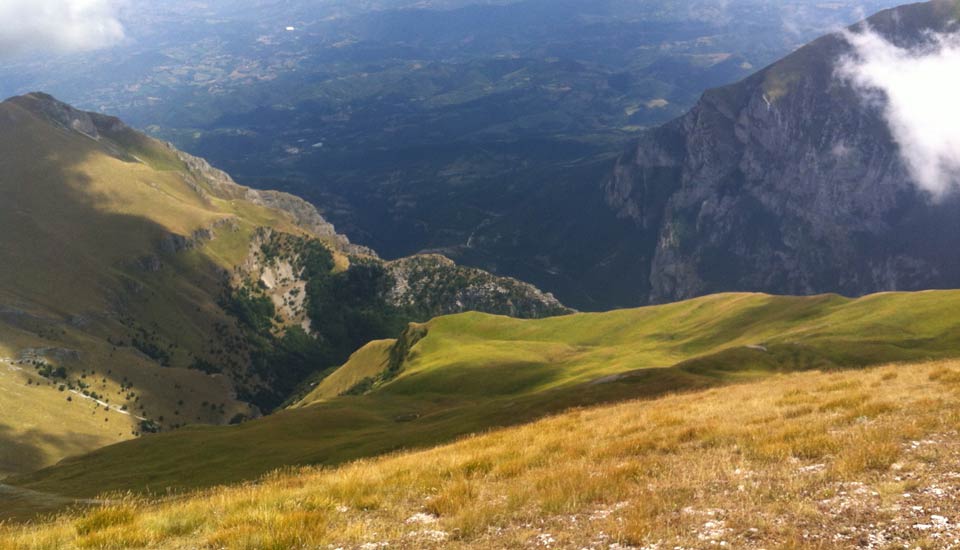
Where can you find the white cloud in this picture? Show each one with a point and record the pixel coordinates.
(919, 92)
(58, 25)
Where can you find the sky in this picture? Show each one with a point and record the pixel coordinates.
(919, 92)
(58, 26)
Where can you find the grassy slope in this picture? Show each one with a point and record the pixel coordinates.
(29, 411)
(369, 361)
(76, 217)
(808, 460)
(501, 356)
(473, 372)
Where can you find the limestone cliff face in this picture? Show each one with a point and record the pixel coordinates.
(788, 182)
(424, 285)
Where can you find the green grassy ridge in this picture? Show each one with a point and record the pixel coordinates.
(347, 308)
(366, 364)
(91, 262)
(579, 348)
(473, 372)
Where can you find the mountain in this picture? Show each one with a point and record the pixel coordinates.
(136, 280)
(142, 290)
(468, 373)
(789, 182)
(479, 130)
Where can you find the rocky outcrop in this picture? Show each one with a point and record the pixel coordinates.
(109, 131)
(173, 243)
(421, 286)
(58, 355)
(787, 182)
(60, 113)
(438, 286)
(279, 278)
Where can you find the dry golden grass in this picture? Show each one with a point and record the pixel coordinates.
(847, 459)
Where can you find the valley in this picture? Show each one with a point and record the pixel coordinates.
(571, 299)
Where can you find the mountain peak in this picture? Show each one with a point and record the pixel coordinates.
(906, 25)
(790, 181)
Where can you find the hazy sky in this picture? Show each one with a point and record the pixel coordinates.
(63, 26)
(58, 25)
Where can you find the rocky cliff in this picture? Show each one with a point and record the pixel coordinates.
(788, 182)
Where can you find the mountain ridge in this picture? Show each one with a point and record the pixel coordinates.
(134, 295)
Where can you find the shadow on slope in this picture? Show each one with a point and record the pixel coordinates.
(72, 272)
(585, 359)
